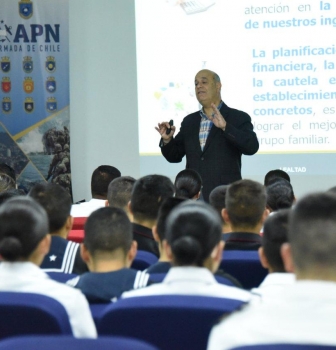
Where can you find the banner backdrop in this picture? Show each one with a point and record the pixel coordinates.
(34, 77)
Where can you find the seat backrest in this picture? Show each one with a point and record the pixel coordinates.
(61, 276)
(167, 321)
(78, 223)
(143, 260)
(28, 313)
(286, 347)
(76, 236)
(245, 266)
(66, 342)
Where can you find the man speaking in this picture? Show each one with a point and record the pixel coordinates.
(212, 139)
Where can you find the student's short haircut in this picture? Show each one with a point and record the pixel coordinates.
(280, 195)
(24, 223)
(193, 230)
(6, 195)
(188, 183)
(166, 207)
(332, 190)
(245, 203)
(101, 178)
(312, 232)
(217, 199)
(108, 229)
(148, 194)
(8, 170)
(6, 183)
(119, 191)
(55, 200)
(275, 233)
(274, 174)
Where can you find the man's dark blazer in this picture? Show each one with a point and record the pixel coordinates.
(220, 161)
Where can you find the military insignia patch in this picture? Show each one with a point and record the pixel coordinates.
(5, 64)
(50, 64)
(51, 84)
(27, 64)
(28, 85)
(51, 104)
(25, 9)
(29, 105)
(6, 105)
(6, 84)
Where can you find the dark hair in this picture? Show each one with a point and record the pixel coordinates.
(55, 200)
(6, 183)
(24, 224)
(8, 170)
(147, 195)
(101, 178)
(188, 183)
(312, 232)
(217, 199)
(277, 173)
(280, 195)
(245, 203)
(108, 229)
(332, 190)
(275, 233)
(166, 207)
(4, 196)
(193, 230)
(119, 191)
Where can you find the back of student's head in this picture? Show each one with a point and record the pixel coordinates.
(217, 198)
(275, 174)
(188, 184)
(8, 170)
(101, 178)
(55, 200)
(275, 233)
(192, 231)
(24, 223)
(166, 207)
(107, 230)
(312, 233)
(119, 191)
(6, 195)
(245, 203)
(6, 183)
(280, 195)
(147, 195)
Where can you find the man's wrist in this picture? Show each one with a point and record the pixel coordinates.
(165, 142)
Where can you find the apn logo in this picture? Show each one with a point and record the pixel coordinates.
(25, 9)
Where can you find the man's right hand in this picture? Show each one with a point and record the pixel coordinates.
(162, 128)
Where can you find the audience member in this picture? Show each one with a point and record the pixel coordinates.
(275, 174)
(119, 193)
(280, 195)
(194, 245)
(188, 184)
(108, 249)
(217, 201)
(64, 256)
(245, 211)
(6, 183)
(304, 312)
(274, 236)
(147, 195)
(24, 241)
(100, 180)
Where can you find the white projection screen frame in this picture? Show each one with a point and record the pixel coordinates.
(276, 61)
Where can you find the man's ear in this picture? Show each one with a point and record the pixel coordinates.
(167, 249)
(84, 253)
(287, 258)
(68, 223)
(217, 252)
(129, 207)
(44, 245)
(131, 254)
(265, 215)
(107, 203)
(225, 215)
(155, 233)
(262, 258)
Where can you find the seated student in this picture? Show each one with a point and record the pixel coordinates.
(274, 236)
(108, 249)
(245, 211)
(188, 184)
(195, 246)
(24, 241)
(217, 201)
(280, 195)
(275, 174)
(64, 256)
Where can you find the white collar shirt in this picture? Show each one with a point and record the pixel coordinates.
(86, 208)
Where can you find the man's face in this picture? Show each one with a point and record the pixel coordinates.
(206, 88)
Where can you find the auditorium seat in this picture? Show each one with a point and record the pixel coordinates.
(167, 321)
(76, 236)
(143, 260)
(61, 276)
(285, 346)
(29, 313)
(245, 266)
(66, 343)
(78, 223)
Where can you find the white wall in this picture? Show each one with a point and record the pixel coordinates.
(103, 91)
